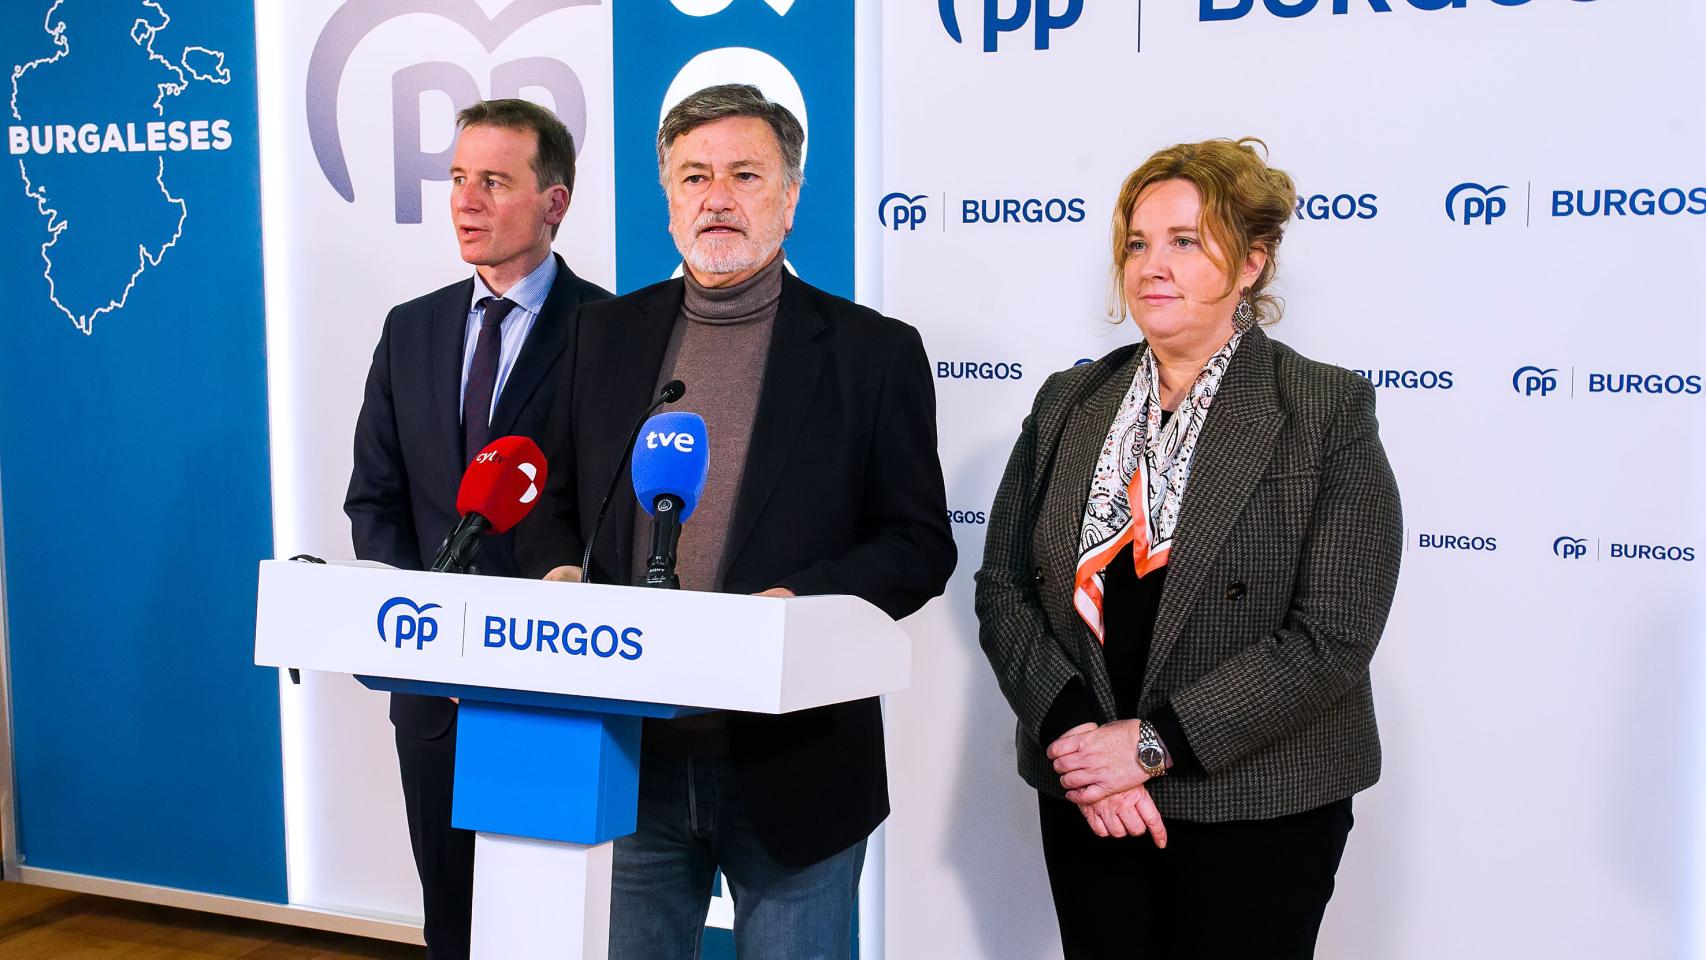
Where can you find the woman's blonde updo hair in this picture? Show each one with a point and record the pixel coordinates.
(1245, 206)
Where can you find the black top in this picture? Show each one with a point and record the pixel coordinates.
(1129, 607)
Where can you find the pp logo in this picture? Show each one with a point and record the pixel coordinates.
(410, 622)
(355, 20)
(994, 24)
(1530, 381)
(1570, 548)
(902, 210)
(1479, 204)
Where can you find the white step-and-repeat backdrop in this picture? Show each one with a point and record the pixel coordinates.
(1502, 224)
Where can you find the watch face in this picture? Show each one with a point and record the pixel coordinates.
(1150, 756)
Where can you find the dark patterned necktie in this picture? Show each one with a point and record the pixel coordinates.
(483, 376)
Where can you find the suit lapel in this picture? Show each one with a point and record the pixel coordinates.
(798, 350)
(449, 328)
(1081, 439)
(1237, 443)
(546, 341)
(627, 387)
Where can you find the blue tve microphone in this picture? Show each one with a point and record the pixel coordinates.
(669, 464)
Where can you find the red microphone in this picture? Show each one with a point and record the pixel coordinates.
(499, 488)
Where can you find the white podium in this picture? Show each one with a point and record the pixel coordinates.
(555, 680)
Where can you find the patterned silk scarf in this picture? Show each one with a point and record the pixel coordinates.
(1141, 463)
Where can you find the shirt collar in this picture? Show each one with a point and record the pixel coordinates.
(530, 291)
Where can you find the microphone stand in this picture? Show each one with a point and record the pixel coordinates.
(457, 554)
(666, 534)
(671, 392)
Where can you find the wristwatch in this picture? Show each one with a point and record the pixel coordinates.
(1151, 752)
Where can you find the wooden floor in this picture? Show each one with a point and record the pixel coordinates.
(37, 923)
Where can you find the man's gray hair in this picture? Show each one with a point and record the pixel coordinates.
(735, 100)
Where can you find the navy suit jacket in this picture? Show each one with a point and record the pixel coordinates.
(408, 439)
(842, 494)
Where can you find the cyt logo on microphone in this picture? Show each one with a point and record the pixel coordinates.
(503, 481)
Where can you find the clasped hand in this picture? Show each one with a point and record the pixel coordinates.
(1097, 764)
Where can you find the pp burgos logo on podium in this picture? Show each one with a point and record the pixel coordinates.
(1570, 548)
(408, 621)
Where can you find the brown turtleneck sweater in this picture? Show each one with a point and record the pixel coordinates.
(718, 349)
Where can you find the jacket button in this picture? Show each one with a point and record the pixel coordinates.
(1235, 590)
(1037, 576)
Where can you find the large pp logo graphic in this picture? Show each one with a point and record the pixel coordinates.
(899, 210)
(411, 165)
(1535, 381)
(1570, 548)
(408, 621)
(1039, 13)
(1471, 203)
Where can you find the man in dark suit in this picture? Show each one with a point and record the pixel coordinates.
(824, 479)
(455, 369)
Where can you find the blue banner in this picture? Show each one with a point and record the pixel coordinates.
(134, 446)
(803, 49)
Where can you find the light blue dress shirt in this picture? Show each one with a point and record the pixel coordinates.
(529, 296)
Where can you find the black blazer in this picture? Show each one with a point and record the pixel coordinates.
(842, 494)
(1280, 578)
(408, 439)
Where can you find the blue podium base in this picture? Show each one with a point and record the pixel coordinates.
(547, 774)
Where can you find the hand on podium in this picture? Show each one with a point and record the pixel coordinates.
(565, 574)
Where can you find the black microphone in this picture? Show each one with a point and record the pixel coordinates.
(671, 392)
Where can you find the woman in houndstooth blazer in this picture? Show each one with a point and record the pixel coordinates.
(1189, 562)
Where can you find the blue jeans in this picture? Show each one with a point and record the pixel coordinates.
(691, 823)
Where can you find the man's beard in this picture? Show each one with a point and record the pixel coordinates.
(729, 253)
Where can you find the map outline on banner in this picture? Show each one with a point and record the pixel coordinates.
(143, 33)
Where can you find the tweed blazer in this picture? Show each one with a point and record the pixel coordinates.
(1280, 578)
